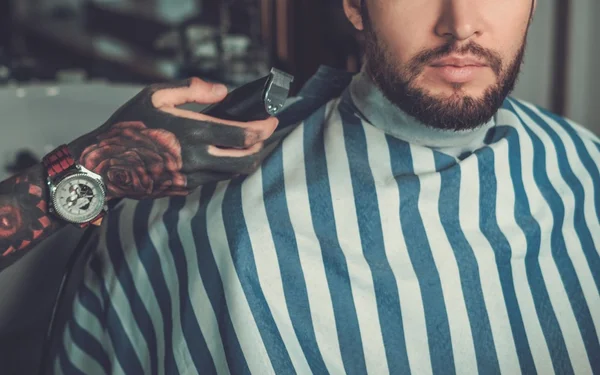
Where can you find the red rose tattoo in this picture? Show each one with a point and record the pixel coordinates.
(137, 162)
(23, 212)
(10, 220)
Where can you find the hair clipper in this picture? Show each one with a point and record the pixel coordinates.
(257, 100)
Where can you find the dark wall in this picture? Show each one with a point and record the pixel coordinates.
(4, 23)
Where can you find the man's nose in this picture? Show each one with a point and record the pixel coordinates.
(460, 19)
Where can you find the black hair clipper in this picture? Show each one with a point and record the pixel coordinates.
(257, 100)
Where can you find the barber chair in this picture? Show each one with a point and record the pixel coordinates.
(38, 118)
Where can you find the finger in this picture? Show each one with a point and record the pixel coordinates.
(234, 153)
(244, 165)
(193, 90)
(211, 158)
(236, 164)
(241, 162)
(236, 161)
(219, 132)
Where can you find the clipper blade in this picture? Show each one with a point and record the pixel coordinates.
(277, 90)
(281, 78)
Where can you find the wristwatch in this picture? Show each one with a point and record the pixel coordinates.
(77, 195)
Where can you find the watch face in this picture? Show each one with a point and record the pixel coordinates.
(78, 198)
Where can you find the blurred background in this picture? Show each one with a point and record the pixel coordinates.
(66, 65)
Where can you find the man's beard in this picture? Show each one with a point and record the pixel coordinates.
(457, 112)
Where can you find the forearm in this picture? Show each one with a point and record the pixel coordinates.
(24, 217)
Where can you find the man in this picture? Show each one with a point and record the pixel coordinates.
(415, 221)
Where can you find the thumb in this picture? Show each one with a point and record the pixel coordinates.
(193, 90)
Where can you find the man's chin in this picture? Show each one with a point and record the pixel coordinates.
(457, 111)
(450, 96)
(441, 90)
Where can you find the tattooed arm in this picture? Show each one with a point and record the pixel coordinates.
(149, 148)
(24, 218)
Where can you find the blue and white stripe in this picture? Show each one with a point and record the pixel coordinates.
(352, 252)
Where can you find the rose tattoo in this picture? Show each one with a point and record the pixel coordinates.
(10, 220)
(136, 162)
(23, 220)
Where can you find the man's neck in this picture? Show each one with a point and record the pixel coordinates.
(381, 113)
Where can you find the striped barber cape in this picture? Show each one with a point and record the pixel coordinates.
(353, 252)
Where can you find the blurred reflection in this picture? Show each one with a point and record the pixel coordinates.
(136, 41)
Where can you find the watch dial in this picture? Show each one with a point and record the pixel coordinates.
(78, 198)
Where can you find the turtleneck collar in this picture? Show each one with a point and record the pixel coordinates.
(377, 110)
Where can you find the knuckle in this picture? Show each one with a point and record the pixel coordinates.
(251, 138)
(195, 81)
(254, 150)
(254, 136)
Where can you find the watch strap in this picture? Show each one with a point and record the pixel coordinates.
(97, 221)
(58, 161)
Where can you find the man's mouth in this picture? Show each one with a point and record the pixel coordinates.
(457, 69)
(459, 62)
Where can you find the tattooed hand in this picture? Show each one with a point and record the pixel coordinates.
(151, 148)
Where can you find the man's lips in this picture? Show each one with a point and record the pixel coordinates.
(457, 69)
(458, 62)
